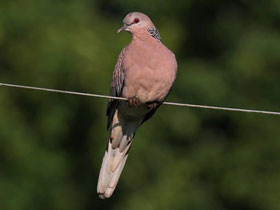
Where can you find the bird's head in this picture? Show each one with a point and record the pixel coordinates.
(136, 21)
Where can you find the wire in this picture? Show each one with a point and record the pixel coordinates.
(125, 99)
(61, 91)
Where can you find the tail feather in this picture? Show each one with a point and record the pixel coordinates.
(116, 154)
(112, 166)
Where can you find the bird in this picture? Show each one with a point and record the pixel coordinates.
(144, 74)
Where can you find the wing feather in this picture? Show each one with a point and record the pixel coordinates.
(116, 88)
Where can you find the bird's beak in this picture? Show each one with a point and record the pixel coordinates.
(124, 28)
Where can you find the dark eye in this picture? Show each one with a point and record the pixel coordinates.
(136, 20)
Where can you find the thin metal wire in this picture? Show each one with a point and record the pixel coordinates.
(121, 98)
(61, 91)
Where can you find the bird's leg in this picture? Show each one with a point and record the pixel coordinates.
(134, 101)
(152, 105)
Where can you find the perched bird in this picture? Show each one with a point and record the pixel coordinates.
(144, 74)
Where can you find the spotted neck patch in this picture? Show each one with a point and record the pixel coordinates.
(154, 33)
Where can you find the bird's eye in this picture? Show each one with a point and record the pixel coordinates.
(136, 20)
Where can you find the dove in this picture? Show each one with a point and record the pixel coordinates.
(144, 74)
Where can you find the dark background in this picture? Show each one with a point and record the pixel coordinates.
(51, 145)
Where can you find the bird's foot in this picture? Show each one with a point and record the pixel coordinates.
(134, 101)
(152, 105)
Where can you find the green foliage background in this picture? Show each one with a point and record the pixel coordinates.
(51, 145)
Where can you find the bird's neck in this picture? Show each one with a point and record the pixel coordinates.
(144, 36)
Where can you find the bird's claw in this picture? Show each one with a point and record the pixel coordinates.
(152, 105)
(134, 101)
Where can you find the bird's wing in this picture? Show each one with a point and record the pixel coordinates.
(116, 88)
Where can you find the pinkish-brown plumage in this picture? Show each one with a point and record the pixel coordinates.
(144, 73)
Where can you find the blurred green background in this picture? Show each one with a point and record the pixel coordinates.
(52, 145)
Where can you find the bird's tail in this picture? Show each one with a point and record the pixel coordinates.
(121, 137)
